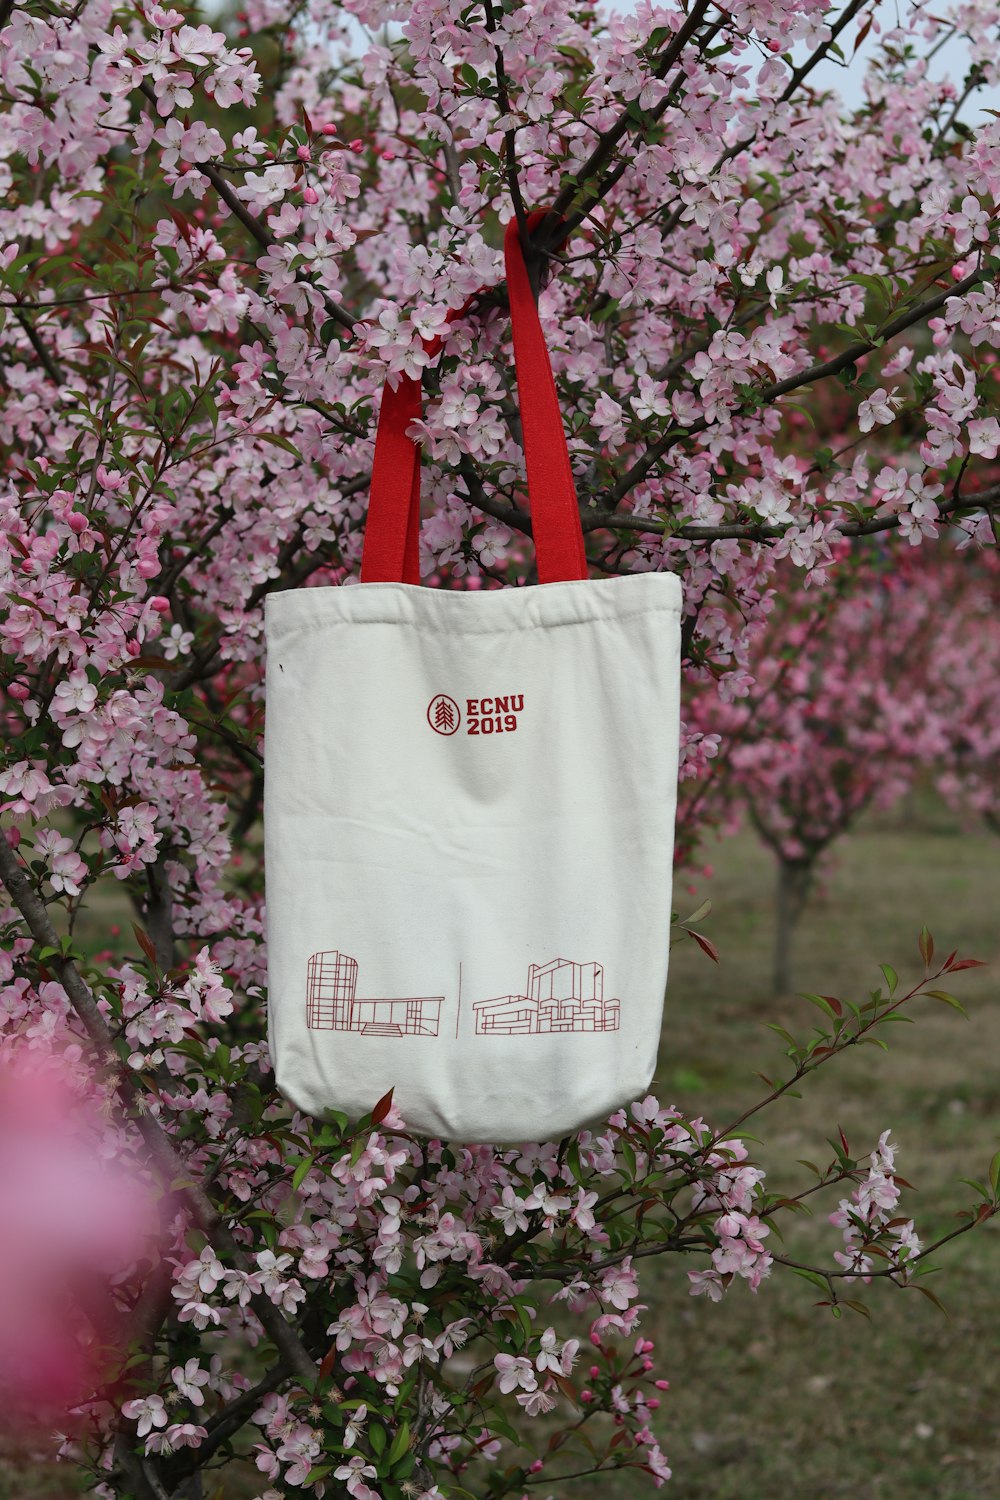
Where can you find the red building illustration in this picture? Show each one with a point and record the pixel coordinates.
(562, 996)
(332, 1003)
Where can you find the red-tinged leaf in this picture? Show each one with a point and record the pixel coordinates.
(329, 1358)
(903, 1182)
(481, 1387)
(968, 963)
(862, 34)
(567, 1387)
(769, 1082)
(932, 1297)
(145, 943)
(926, 946)
(555, 1441)
(182, 226)
(382, 1108)
(706, 946)
(834, 1004)
(951, 958)
(308, 123)
(843, 1141)
(985, 1211)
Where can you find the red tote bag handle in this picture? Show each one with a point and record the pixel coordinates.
(392, 531)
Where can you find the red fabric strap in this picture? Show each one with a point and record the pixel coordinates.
(391, 553)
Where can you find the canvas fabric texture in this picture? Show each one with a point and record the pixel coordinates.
(469, 816)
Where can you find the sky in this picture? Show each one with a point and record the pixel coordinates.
(951, 62)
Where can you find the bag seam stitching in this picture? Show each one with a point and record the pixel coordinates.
(311, 626)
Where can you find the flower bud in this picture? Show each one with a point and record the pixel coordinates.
(310, 195)
(76, 521)
(159, 604)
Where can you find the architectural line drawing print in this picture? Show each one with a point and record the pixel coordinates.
(561, 996)
(333, 1004)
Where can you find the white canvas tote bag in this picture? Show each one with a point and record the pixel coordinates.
(469, 810)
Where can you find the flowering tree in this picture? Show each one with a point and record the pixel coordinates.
(847, 704)
(968, 700)
(215, 250)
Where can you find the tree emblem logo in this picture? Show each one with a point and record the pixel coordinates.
(443, 714)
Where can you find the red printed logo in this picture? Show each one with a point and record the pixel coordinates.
(497, 714)
(443, 714)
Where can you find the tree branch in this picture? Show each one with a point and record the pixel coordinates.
(754, 531)
(609, 140)
(822, 371)
(253, 225)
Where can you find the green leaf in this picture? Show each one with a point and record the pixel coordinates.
(377, 1438)
(813, 1277)
(947, 999)
(524, 1316)
(279, 442)
(825, 1003)
(400, 1444)
(891, 977)
(300, 1173)
(629, 1155)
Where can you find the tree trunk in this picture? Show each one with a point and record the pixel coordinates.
(795, 879)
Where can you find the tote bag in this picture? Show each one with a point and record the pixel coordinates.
(469, 812)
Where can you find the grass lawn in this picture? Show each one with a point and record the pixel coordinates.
(772, 1398)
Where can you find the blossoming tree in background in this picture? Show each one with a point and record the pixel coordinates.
(216, 246)
(846, 708)
(969, 700)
